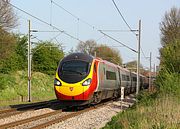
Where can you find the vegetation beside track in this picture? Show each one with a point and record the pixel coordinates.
(154, 110)
(159, 109)
(15, 87)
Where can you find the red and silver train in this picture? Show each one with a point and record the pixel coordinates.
(82, 79)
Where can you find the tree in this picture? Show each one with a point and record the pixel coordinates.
(170, 27)
(8, 18)
(7, 43)
(87, 47)
(46, 56)
(132, 65)
(90, 47)
(170, 40)
(108, 54)
(170, 57)
(71, 51)
(21, 51)
(14, 53)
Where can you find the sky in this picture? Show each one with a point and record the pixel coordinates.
(85, 17)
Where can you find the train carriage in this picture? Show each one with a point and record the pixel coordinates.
(81, 79)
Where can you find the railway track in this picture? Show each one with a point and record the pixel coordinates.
(19, 110)
(45, 120)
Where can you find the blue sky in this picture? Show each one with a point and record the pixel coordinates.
(103, 15)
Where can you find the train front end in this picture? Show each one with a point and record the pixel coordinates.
(75, 78)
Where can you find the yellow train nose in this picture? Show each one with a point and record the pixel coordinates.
(71, 90)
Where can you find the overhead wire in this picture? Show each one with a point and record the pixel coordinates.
(122, 17)
(143, 53)
(79, 19)
(126, 23)
(76, 17)
(45, 22)
(51, 13)
(66, 32)
(119, 42)
(93, 27)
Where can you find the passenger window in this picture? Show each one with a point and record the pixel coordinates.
(128, 79)
(110, 75)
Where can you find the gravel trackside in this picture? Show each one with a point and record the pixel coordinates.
(94, 119)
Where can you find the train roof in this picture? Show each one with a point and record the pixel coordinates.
(78, 56)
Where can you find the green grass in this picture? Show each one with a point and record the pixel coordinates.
(159, 110)
(14, 86)
(164, 113)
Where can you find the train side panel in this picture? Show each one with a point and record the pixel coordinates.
(109, 82)
(125, 80)
(133, 82)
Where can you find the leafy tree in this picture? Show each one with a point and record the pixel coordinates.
(8, 18)
(170, 52)
(132, 65)
(21, 51)
(87, 47)
(7, 43)
(170, 40)
(109, 54)
(170, 27)
(170, 57)
(90, 47)
(71, 51)
(14, 56)
(46, 56)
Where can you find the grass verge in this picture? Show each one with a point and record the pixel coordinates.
(158, 110)
(14, 90)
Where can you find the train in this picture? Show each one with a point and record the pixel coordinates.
(83, 79)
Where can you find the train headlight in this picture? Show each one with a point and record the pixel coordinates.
(87, 82)
(57, 82)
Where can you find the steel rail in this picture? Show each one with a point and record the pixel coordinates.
(15, 111)
(63, 118)
(24, 121)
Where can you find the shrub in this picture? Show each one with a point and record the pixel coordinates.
(168, 83)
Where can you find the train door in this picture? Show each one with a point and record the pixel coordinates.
(101, 76)
(123, 80)
(131, 83)
(128, 82)
(119, 74)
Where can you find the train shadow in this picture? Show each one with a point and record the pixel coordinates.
(60, 105)
(35, 105)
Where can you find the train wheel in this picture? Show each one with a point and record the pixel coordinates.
(116, 94)
(96, 98)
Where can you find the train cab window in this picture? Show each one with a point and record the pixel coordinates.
(75, 67)
(110, 75)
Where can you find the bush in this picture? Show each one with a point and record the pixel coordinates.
(4, 81)
(146, 98)
(168, 83)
